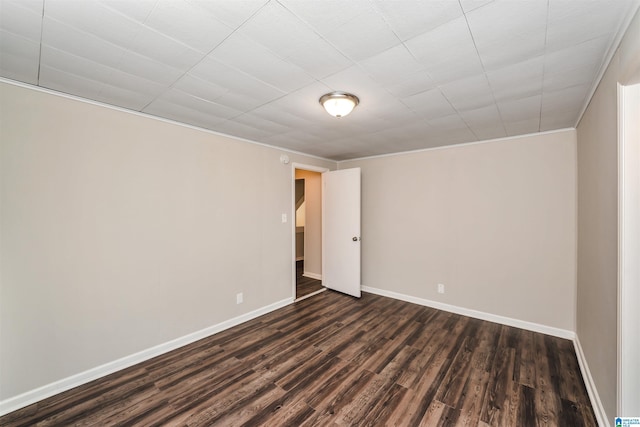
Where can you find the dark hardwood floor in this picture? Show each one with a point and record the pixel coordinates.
(305, 285)
(333, 360)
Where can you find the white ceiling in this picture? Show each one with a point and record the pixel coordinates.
(428, 73)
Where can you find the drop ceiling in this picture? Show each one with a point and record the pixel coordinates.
(428, 73)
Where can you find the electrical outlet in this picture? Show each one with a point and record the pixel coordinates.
(440, 288)
(239, 298)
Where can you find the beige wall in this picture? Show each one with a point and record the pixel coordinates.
(313, 221)
(494, 222)
(121, 232)
(598, 221)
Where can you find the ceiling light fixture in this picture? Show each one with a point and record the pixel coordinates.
(339, 104)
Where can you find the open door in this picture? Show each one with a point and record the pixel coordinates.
(341, 231)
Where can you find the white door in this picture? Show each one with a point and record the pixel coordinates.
(341, 231)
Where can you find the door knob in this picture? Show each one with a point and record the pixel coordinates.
(355, 239)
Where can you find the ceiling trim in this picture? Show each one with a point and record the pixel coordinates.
(157, 118)
(463, 144)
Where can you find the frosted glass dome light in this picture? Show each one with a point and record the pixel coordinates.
(339, 104)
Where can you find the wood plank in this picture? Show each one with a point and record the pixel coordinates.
(332, 360)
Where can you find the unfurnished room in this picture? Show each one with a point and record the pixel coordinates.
(320, 212)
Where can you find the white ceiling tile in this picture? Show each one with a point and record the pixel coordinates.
(20, 58)
(429, 104)
(453, 121)
(154, 45)
(231, 127)
(418, 130)
(363, 37)
(245, 55)
(198, 104)
(488, 116)
(417, 82)
(52, 78)
(577, 76)
(452, 137)
(385, 136)
(589, 54)
(506, 31)
(559, 120)
(570, 25)
(353, 80)
(104, 31)
(278, 115)
(447, 52)
(188, 24)
(469, 5)
(575, 65)
(215, 72)
(391, 65)
(134, 63)
(392, 111)
(289, 38)
(179, 113)
(522, 127)
(319, 59)
(138, 10)
(33, 5)
(328, 14)
(22, 18)
(258, 122)
(366, 125)
(82, 67)
(201, 88)
(264, 80)
(240, 101)
(347, 149)
(145, 90)
(469, 93)
(279, 30)
(298, 137)
(69, 39)
(519, 80)
(353, 27)
(288, 140)
(411, 18)
(80, 43)
(520, 109)
(567, 99)
(117, 95)
(332, 129)
(484, 133)
(231, 12)
(93, 18)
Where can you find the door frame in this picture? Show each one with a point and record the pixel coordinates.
(628, 248)
(310, 168)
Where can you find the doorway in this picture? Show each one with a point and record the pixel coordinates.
(307, 245)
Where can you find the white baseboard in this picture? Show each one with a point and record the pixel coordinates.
(312, 275)
(310, 295)
(596, 403)
(522, 324)
(33, 396)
